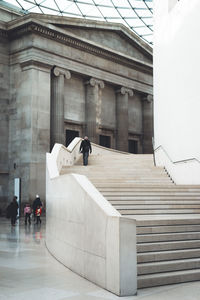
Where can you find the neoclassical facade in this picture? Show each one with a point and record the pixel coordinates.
(65, 77)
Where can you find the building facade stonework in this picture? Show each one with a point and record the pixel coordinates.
(65, 77)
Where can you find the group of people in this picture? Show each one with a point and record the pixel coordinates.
(36, 210)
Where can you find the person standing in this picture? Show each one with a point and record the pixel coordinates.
(36, 202)
(38, 213)
(13, 210)
(85, 148)
(27, 213)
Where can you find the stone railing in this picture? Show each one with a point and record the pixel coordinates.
(62, 156)
(84, 231)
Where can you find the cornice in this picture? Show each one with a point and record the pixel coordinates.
(31, 63)
(33, 27)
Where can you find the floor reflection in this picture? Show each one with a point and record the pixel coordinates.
(28, 271)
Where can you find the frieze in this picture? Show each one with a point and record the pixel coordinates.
(76, 43)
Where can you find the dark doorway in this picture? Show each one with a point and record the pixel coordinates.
(70, 135)
(104, 140)
(133, 146)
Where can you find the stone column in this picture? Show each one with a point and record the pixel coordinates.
(57, 105)
(122, 96)
(147, 113)
(29, 128)
(93, 108)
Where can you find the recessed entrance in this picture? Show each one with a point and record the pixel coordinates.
(105, 141)
(70, 135)
(133, 146)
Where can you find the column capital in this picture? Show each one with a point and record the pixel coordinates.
(94, 81)
(59, 71)
(148, 98)
(123, 90)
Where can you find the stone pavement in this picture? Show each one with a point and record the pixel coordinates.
(28, 271)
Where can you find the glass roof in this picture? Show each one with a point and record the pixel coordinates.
(135, 14)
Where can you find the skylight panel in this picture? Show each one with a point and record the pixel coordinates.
(49, 4)
(14, 2)
(35, 9)
(127, 13)
(134, 14)
(109, 12)
(89, 10)
(103, 2)
(72, 9)
(144, 13)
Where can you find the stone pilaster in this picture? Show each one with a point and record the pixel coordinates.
(93, 108)
(29, 133)
(147, 113)
(122, 96)
(57, 105)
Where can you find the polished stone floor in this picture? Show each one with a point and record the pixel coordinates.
(28, 271)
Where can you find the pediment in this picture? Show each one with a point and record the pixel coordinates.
(109, 35)
(114, 40)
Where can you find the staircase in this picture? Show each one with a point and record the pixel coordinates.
(167, 215)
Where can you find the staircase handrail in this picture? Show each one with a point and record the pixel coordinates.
(177, 161)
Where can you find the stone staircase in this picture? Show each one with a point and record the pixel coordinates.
(167, 215)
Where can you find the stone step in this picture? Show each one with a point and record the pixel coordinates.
(169, 221)
(158, 279)
(146, 187)
(152, 202)
(167, 229)
(168, 266)
(167, 255)
(163, 237)
(156, 206)
(157, 211)
(172, 245)
(168, 233)
(127, 180)
(146, 190)
(147, 199)
(151, 195)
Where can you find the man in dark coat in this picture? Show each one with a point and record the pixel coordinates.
(85, 148)
(13, 210)
(37, 202)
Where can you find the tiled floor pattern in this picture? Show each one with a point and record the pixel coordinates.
(28, 271)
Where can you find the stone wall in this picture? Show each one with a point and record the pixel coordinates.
(29, 128)
(4, 118)
(54, 79)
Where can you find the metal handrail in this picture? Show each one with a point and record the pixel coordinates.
(177, 161)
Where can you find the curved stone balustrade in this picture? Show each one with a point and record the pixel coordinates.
(84, 231)
(62, 156)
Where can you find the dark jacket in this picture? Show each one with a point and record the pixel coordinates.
(12, 209)
(85, 146)
(36, 202)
